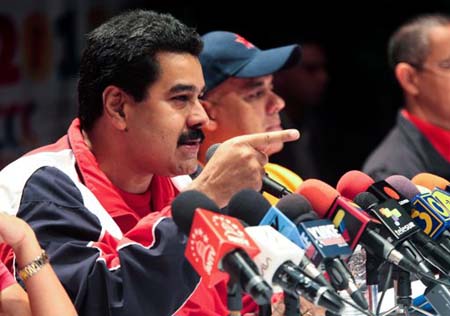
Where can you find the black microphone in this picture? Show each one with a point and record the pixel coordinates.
(269, 185)
(437, 294)
(324, 245)
(401, 225)
(369, 202)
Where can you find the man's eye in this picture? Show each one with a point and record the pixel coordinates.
(445, 64)
(183, 98)
(254, 96)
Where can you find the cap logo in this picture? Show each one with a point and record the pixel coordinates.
(243, 41)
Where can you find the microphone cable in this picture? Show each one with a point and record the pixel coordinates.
(386, 285)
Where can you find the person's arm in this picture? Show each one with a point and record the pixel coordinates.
(104, 271)
(238, 164)
(13, 298)
(14, 301)
(46, 295)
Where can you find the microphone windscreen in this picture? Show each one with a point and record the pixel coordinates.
(430, 181)
(184, 206)
(319, 194)
(310, 216)
(422, 189)
(365, 200)
(294, 205)
(249, 206)
(403, 185)
(211, 150)
(352, 183)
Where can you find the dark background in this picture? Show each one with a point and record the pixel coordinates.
(363, 96)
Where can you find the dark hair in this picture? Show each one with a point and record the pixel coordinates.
(122, 52)
(410, 43)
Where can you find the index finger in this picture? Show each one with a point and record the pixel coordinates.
(260, 141)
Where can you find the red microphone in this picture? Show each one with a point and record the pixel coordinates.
(354, 182)
(348, 187)
(218, 244)
(214, 236)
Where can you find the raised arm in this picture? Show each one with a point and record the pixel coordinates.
(238, 164)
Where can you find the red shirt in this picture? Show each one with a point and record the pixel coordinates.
(6, 278)
(438, 137)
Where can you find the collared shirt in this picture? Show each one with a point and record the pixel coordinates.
(438, 137)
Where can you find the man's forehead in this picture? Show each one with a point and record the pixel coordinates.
(249, 83)
(180, 72)
(239, 85)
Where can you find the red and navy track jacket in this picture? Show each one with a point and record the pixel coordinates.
(110, 261)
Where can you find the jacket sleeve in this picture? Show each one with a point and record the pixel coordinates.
(106, 274)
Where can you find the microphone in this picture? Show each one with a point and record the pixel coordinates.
(440, 191)
(255, 210)
(431, 181)
(438, 186)
(370, 203)
(401, 226)
(352, 223)
(348, 187)
(437, 294)
(218, 242)
(324, 245)
(269, 185)
(279, 257)
(431, 216)
(277, 262)
(296, 208)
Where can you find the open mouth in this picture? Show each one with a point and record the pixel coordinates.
(192, 142)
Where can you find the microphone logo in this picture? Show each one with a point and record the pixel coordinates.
(391, 193)
(429, 214)
(326, 235)
(201, 250)
(230, 230)
(395, 219)
(393, 214)
(339, 222)
(264, 266)
(444, 198)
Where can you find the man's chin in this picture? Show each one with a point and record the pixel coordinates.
(186, 168)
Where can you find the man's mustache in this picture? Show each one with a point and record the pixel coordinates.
(190, 136)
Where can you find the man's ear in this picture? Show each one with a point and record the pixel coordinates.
(114, 100)
(407, 78)
(211, 110)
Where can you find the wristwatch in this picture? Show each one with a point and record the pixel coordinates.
(34, 266)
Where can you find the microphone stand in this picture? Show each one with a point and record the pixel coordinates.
(372, 281)
(403, 293)
(234, 298)
(292, 305)
(265, 310)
